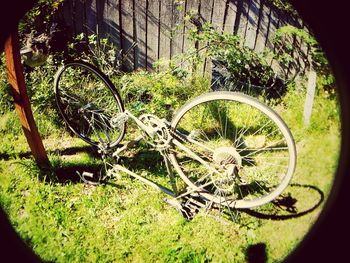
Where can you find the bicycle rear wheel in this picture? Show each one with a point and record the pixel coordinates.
(87, 101)
(247, 153)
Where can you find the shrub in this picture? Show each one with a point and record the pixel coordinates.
(159, 93)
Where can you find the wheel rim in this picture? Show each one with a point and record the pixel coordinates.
(87, 103)
(257, 161)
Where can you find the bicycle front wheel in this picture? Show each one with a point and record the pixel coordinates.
(87, 101)
(235, 151)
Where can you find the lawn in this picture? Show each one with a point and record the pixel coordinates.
(64, 220)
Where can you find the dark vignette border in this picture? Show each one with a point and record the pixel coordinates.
(329, 21)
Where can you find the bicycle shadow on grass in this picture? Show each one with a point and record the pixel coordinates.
(67, 168)
(71, 171)
(146, 160)
(77, 149)
(291, 204)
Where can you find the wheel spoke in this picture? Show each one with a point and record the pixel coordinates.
(86, 99)
(250, 148)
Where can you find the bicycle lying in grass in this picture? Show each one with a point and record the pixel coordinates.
(229, 150)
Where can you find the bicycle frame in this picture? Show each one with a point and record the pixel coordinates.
(151, 132)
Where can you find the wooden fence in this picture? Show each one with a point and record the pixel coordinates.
(160, 28)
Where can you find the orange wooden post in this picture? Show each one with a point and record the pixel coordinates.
(21, 99)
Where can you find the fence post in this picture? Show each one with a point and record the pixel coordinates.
(310, 95)
(21, 100)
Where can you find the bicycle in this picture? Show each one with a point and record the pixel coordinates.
(229, 150)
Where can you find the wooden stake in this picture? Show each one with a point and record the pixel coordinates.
(21, 100)
(310, 95)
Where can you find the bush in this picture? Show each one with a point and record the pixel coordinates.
(159, 93)
(242, 63)
(297, 51)
(98, 51)
(6, 100)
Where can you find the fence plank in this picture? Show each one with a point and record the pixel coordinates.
(206, 10)
(112, 21)
(67, 13)
(206, 13)
(165, 29)
(127, 32)
(241, 18)
(177, 27)
(140, 33)
(91, 17)
(101, 25)
(79, 11)
(231, 10)
(192, 7)
(273, 25)
(311, 88)
(152, 32)
(218, 14)
(253, 17)
(262, 30)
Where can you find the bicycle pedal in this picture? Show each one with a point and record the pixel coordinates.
(188, 207)
(179, 207)
(88, 178)
(119, 120)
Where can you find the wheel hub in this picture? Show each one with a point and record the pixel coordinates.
(230, 160)
(227, 155)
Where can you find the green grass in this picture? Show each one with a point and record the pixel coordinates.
(65, 220)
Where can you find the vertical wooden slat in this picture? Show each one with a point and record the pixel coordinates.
(72, 16)
(304, 49)
(241, 18)
(91, 17)
(300, 49)
(79, 16)
(262, 30)
(67, 13)
(152, 32)
(253, 17)
(273, 25)
(112, 21)
(206, 10)
(268, 28)
(192, 7)
(101, 25)
(230, 17)
(177, 27)
(165, 29)
(22, 103)
(281, 18)
(127, 32)
(140, 33)
(310, 95)
(218, 14)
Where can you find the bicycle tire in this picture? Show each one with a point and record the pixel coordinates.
(87, 100)
(264, 112)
